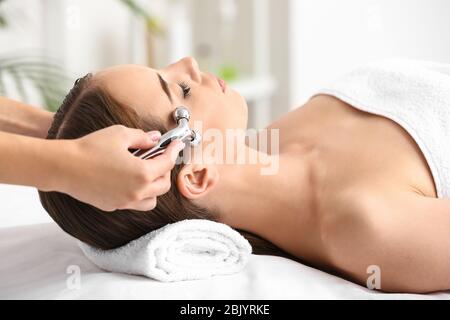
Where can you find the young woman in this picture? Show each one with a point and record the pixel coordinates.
(353, 189)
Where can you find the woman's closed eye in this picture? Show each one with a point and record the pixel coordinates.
(186, 90)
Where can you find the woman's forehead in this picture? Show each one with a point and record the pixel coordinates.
(126, 71)
(135, 86)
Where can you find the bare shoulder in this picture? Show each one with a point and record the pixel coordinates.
(355, 203)
(404, 233)
(383, 209)
(387, 213)
(417, 206)
(370, 199)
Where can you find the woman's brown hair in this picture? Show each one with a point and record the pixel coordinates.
(88, 108)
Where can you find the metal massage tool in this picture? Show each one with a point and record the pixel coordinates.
(181, 116)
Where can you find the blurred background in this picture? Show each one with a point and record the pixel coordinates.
(276, 53)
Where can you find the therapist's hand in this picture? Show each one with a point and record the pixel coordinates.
(101, 170)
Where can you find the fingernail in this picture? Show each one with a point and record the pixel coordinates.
(155, 135)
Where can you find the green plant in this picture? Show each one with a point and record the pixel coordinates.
(3, 21)
(26, 73)
(227, 72)
(152, 23)
(47, 78)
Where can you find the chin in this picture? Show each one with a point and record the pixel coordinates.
(245, 116)
(243, 112)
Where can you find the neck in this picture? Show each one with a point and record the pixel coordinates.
(262, 203)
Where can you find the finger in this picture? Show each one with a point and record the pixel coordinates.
(163, 163)
(166, 175)
(143, 205)
(159, 186)
(138, 139)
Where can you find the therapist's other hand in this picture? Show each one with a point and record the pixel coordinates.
(104, 173)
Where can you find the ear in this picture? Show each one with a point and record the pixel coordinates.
(195, 180)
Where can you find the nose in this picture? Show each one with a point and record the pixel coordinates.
(191, 66)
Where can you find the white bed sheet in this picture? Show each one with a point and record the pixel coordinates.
(35, 259)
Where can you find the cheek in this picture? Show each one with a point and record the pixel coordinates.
(236, 111)
(207, 110)
(227, 113)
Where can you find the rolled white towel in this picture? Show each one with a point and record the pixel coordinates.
(186, 250)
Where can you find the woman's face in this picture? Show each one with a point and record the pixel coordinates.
(143, 89)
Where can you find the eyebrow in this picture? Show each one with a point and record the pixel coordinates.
(165, 87)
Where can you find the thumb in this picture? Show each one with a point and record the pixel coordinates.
(174, 149)
(138, 139)
(166, 161)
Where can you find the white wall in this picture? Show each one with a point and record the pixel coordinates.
(83, 35)
(330, 37)
(280, 64)
(20, 205)
(87, 35)
(24, 30)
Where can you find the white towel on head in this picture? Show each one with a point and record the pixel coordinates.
(191, 249)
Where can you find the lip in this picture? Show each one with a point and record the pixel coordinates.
(222, 84)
